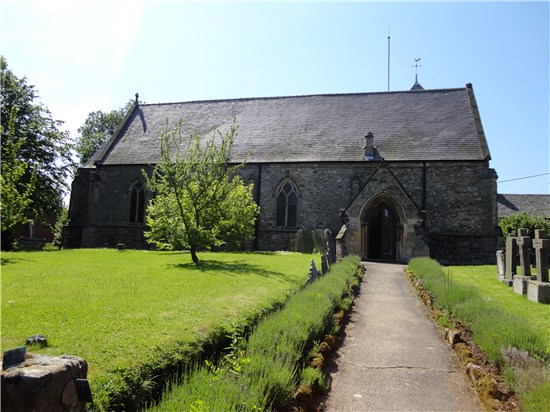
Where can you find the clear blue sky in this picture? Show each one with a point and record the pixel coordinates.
(95, 55)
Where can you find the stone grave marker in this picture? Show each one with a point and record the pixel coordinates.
(538, 290)
(324, 264)
(14, 357)
(542, 248)
(341, 237)
(501, 265)
(511, 260)
(313, 273)
(331, 246)
(524, 244)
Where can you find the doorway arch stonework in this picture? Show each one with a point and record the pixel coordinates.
(382, 193)
(382, 229)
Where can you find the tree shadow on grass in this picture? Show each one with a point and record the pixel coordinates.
(233, 269)
(8, 261)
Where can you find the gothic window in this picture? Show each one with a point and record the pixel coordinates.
(137, 203)
(287, 202)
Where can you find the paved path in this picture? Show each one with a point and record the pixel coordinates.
(393, 358)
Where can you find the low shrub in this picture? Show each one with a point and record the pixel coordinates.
(492, 328)
(276, 352)
(504, 336)
(314, 379)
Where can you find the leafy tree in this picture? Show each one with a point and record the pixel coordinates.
(60, 221)
(38, 143)
(15, 193)
(521, 220)
(98, 127)
(200, 202)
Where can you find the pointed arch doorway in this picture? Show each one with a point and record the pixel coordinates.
(381, 230)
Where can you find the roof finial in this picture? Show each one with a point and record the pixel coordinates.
(137, 99)
(416, 85)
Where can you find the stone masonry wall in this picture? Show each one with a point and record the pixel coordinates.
(459, 222)
(460, 199)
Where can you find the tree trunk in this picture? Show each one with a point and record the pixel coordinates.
(194, 256)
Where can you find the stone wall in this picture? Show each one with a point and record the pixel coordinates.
(446, 209)
(111, 236)
(460, 199)
(99, 212)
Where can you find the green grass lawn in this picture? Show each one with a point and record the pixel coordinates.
(111, 308)
(484, 279)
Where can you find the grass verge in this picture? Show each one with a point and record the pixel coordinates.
(137, 316)
(502, 323)
(265, 373)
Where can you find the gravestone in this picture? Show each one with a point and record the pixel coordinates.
(538, 290)
(501, 265)
(542, 248)
(38, 340)
(331, 246)
(14, 357)
(324, 264)
(521, 284)
(341, 249)
(511, 260)
(313, 273)
(524, 244)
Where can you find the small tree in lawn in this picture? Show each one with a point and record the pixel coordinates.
(199, 201)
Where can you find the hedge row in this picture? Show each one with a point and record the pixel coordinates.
(264, 373)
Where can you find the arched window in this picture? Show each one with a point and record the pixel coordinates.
(137, 203)
(287, 203)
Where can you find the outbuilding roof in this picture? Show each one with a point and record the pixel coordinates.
(538, 205)
(418, 125)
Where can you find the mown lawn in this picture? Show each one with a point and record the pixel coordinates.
(111, 308)
(484, 279)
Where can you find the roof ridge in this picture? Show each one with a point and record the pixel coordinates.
(240, 99)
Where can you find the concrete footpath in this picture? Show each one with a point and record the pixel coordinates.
(392, 357)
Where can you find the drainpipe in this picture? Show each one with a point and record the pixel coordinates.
(423, 193)
(258, 194)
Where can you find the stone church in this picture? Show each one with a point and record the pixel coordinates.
(396, 174)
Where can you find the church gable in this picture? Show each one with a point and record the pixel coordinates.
(384, 218)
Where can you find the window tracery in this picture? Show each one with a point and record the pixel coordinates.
(137, 203)
(287, 204)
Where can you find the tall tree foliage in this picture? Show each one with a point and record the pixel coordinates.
(200, 202)
(15, 193)
(98, 127)
(40, 144)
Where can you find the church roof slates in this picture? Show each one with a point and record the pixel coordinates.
(407, 126)
(538, 205)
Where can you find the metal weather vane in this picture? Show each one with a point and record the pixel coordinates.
(416, 66)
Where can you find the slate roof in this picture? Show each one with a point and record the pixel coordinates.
(407, 126)
(538, 205)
